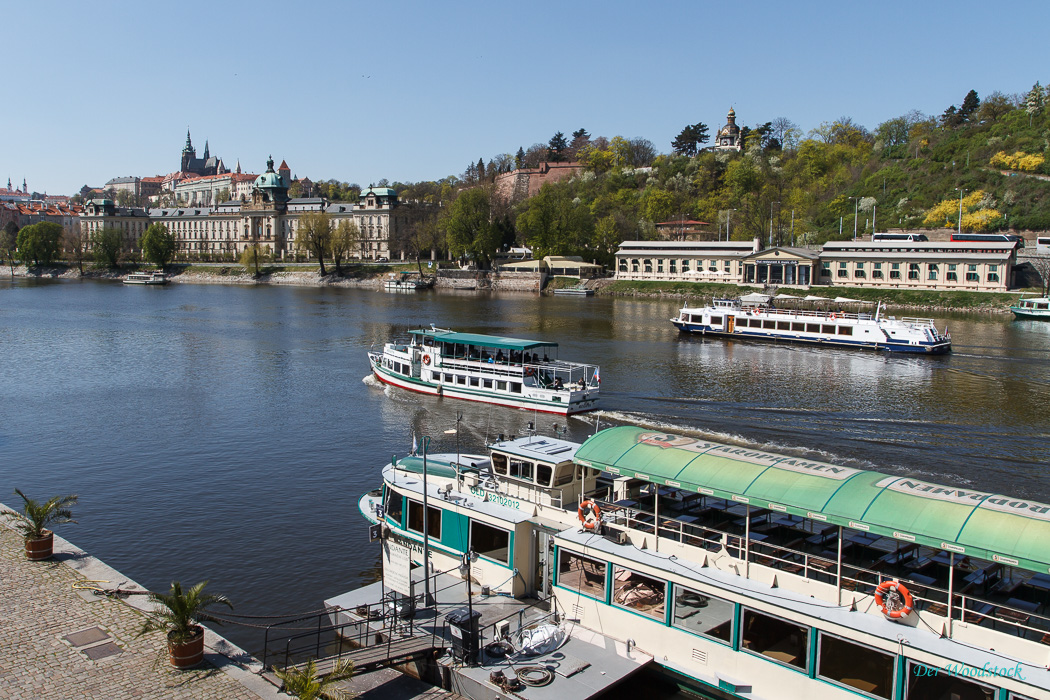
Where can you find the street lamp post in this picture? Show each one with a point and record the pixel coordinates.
(771, 221)
(961, 192)
(856, 213)
(729, 218)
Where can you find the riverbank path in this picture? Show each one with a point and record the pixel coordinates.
(58, 642)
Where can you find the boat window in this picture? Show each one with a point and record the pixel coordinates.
(394, 504)
(868, 670)
(813, 328)
(716, 321)
(474, 381)
(928, 682)
(845, 330)
(830, 330)
(487, 383)
(499, 463)
(491, 542)
(415, 519)
(783, 325)
(769, 324)
(515, 387)
(798, 326)
(543, 474)
(581, 574)
(461, 379)
(702, 614)
(449, 378)
(638, 592)
(501, 386)
(521, 469)
(776, 639)
(563, 474)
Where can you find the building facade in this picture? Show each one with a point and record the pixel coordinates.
(684, 261)
(985, 267)
(728, 137)
(131, 222)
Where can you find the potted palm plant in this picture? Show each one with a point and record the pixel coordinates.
(178, 613)
(304, 683)
(34, 520)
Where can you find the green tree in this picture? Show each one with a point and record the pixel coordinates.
(314, 235)
(556, 223)
(468, 227)
(687, 143)
(252, 258)
(304, 683)
(344, 238)
(107, 246)
(519, 158)
(557, 147)
(970, 104)
(75, 241)
(9, 243)
(40, 243)
(158, 245)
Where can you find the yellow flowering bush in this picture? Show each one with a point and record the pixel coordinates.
(946, 213)
(1018, 161)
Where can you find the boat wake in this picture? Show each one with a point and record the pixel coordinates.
(370, 380)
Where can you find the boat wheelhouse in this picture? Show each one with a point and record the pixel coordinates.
(734, 318)
(152, 278)
(405, 282)
(1032, 308)
(748, 574)
(492, 369)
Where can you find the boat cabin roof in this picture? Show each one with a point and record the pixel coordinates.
(544, 449)
(995, 527)
(486, 341)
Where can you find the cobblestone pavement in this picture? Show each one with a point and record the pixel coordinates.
(43, 657)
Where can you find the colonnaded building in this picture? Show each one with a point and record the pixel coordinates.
(986, 266)
(270, 218)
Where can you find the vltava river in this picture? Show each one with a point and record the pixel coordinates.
(226, 433)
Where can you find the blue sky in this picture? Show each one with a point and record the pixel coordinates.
(416, 90)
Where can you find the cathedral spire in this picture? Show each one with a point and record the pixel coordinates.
(189, 143)
(205, 149)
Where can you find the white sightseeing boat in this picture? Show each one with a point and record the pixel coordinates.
(491, 369)
(1033, 308)
(734, 318)
(743, 574)
(146, 278)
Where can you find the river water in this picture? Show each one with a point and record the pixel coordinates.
(226, 433)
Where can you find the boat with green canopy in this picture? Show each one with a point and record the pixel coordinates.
(492, 369)
(746, 573)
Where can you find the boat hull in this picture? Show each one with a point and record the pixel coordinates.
(1030, 315)
(421, 387)
(940, 348)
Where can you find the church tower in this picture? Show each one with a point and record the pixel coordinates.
(729, 135)
(189, 154)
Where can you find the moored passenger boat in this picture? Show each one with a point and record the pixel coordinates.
(746, 574)
(736, 319)
(491, 369)
(146, 278)
(1032, 308)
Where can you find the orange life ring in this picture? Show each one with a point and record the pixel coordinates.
(757, 311)
(832, 316)
(894, 600)
(530, 371)
(589, 514)
(426, 359)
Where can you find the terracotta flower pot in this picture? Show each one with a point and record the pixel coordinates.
(188, 653)
(40, 548)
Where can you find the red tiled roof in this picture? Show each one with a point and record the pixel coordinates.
(283, 166)
(158, 178)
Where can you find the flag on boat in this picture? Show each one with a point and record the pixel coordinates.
(415, 444)
(597, 379)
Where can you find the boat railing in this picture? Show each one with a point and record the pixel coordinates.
(917, 321)
(759, 310)
(1014, 615)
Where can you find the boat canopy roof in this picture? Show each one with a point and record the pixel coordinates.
(485, 341)
(1012, 531)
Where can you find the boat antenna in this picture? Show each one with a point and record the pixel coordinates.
(597, 420)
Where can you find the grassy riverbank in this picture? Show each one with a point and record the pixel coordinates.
(899, 298)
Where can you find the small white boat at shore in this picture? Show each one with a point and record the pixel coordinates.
(405, 282)
(146, 278)
(490, 369)
(1033, 308)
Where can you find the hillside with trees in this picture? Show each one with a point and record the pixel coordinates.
(784, 186)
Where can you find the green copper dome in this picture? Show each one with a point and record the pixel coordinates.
(270, 179)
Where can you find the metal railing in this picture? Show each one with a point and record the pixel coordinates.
(965, 606)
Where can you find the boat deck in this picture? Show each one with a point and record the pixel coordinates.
(586, 666)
